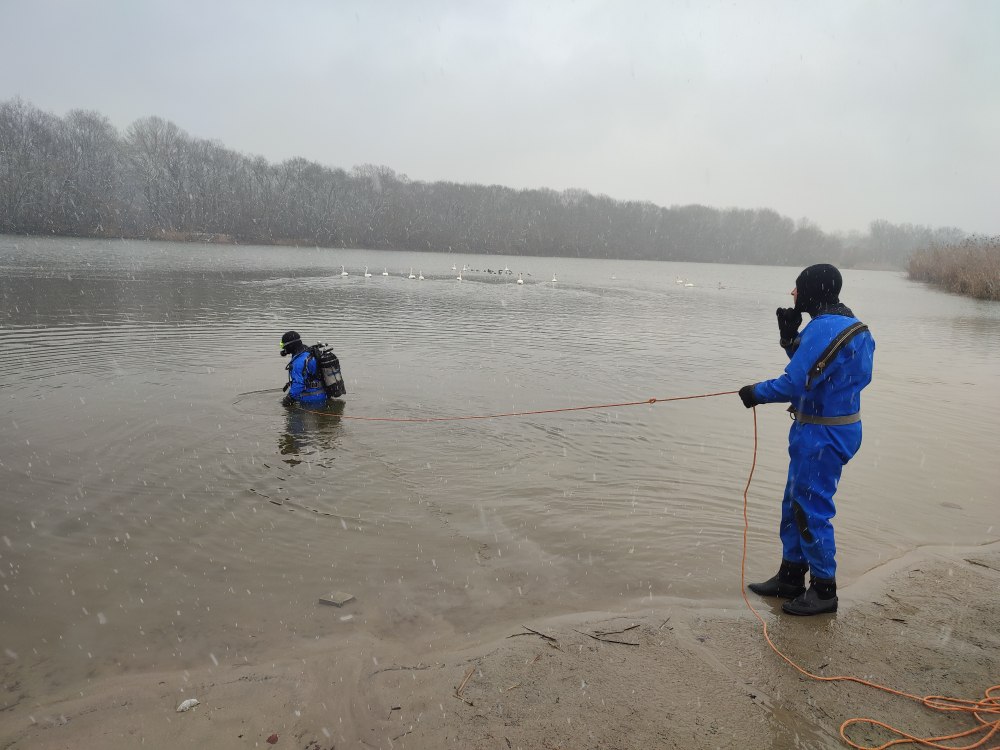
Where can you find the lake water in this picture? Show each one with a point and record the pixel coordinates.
(160, 509)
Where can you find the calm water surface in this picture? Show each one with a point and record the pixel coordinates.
(159, 508)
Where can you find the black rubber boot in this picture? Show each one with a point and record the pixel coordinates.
(788, 583)
(820, 599)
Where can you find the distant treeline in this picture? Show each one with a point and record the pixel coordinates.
(971, 267)
(78, 176)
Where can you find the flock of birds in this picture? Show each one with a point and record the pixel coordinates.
(420, 274)
(499, 272)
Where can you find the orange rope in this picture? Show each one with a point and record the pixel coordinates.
(516, 413)
(989, 705)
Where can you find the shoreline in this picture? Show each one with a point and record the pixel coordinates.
(699, 675)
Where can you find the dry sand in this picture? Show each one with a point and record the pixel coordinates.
(684, 676)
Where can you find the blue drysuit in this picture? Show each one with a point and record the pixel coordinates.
(817, 452)
(306, 384)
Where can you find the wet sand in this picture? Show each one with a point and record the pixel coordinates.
(683, 675)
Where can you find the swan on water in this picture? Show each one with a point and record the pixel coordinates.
(385, 271)
(554, 279)
(420, 276)
(367, 275)
(411, 276)
(519, 279)
(343, 272)
(459, 277)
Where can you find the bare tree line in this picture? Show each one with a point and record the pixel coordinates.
(78, 176)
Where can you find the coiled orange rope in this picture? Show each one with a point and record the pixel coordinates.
(988, 706)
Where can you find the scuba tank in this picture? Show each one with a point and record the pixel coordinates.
(329, 367)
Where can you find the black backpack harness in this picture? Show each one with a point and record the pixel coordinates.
(816, 371)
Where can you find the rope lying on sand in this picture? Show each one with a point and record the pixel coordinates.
(981, 710)
(988, 706)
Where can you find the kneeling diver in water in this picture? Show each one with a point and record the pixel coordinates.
(313, 372)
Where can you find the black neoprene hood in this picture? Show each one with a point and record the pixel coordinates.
(818, 285)
(291, 343)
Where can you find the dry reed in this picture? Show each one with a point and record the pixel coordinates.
(970, 268)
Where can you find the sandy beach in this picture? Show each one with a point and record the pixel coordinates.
(664, 674)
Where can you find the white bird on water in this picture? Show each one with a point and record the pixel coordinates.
(554, 279)
(385, 271)
(519, 279)
(459, 277)
(343, 272)
(411, 276)
(420, 275)
(454, 267)
(367, 275)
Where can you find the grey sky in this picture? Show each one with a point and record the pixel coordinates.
(841, 112)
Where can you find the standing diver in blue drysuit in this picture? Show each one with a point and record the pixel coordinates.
(305, 382)
(830, 363)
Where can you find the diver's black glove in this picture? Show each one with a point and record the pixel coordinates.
(748, 397)
(789, 320)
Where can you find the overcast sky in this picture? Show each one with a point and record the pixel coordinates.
(841, 112)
